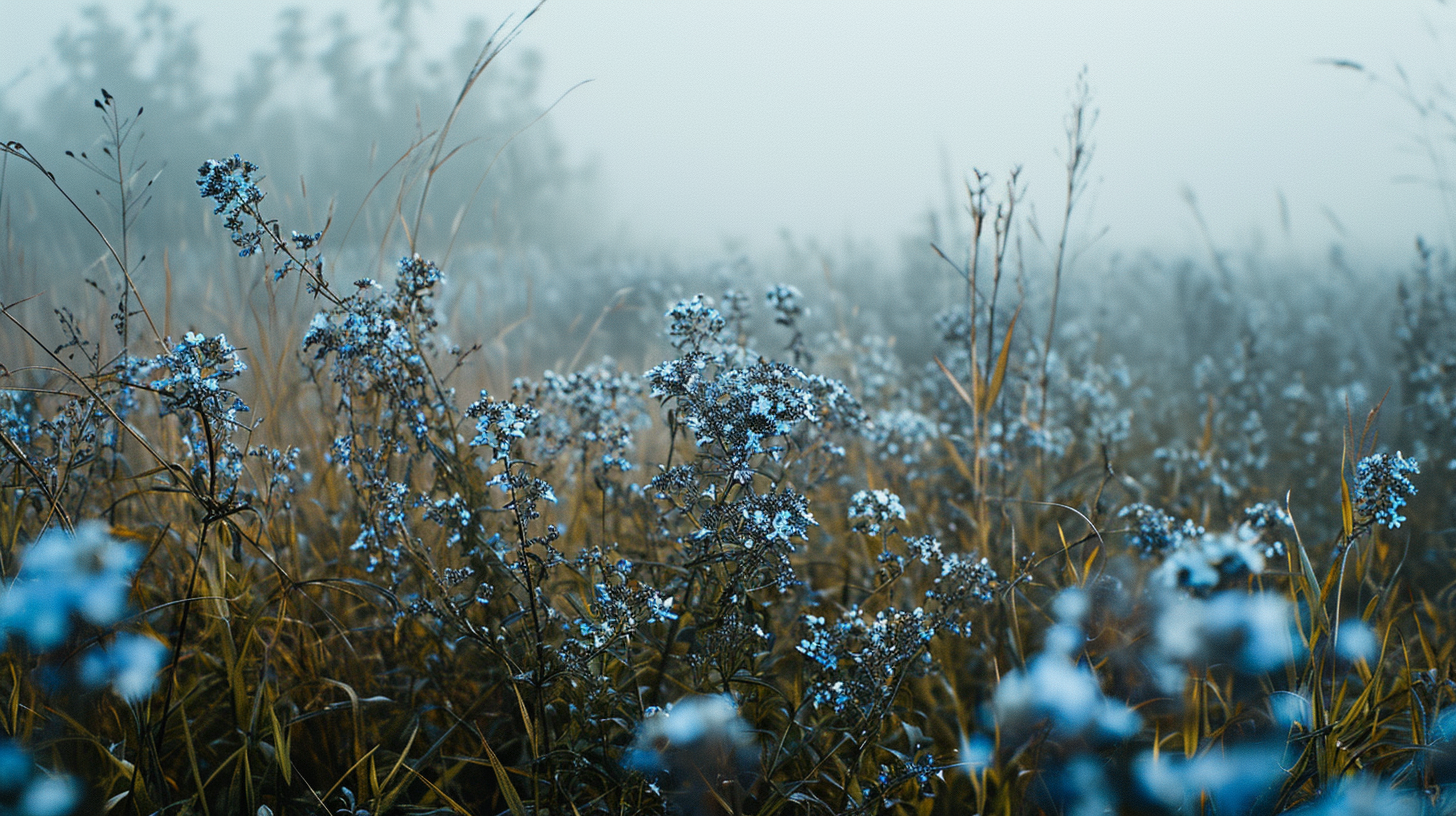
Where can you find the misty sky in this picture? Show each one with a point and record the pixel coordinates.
(839, 119)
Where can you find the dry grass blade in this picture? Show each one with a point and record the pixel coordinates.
(503, 778)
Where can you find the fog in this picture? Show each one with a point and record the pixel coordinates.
(727, 125)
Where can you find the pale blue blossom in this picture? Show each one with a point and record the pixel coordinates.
(65, 576)
(129, 665)
(696, 748)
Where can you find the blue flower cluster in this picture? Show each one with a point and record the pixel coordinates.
(1382, 487)
(82, 577)
(27, 791)
(229, 182)
(1200, 561)
(620, 605)
(787, 303)
(17, 416)
(1235, 780)
(374, 340)
(65, 576)
(757, 533)
(282, 470)
(392, 409)
(902, 434)
(737, 411)
(963, 583)
(858, 661)
(595, 409)
(1155, 532)
(700, 749)
(499, 423)
(1210, 561)
(1253, 632)
(1078, 702)
(196, 369)
(875, 511)
(695, 325)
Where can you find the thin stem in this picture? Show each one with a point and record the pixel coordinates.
(1079, 154)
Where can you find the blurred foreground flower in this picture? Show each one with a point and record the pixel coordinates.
(64, 576)
(129, 664)
(1250, 631)
(701, 749)
(26, 791)
(1058, 692)
(1234, 780)
(83, 576)
(1364, 796)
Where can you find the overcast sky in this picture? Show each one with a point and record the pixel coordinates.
(839, 119)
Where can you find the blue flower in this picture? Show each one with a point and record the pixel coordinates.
(1382, 487)
(229, 182)
(65, 576)
(876, 509)
(129, 664)
(699, 744)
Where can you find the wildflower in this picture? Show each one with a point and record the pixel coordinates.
(877, 509)
(597, 406)
(129, 664)
(1355, 641)
(1362, 795)
(1291, 709)
(1063, 696)
(17, 416)
(1382, 487)
(695, 324)
(834, 408)
(280, 466)
(1249, 631)
(229, 182)
(759, 531)
(701, 748)
(621, 605)
(962, 578)
(1233, 779)
(25, 791)
(785, 300)
(1213, 559)
(304, 242)
(903, 433)
(196, 369)
(925, 549)
(497, 423)
(739, 409)
(84, 575)
(1154, 531)
(1268, 519)
(377, 339)
(856, 661)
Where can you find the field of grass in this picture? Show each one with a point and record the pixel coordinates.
(294, 531)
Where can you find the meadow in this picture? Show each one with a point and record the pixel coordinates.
(356, 484)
